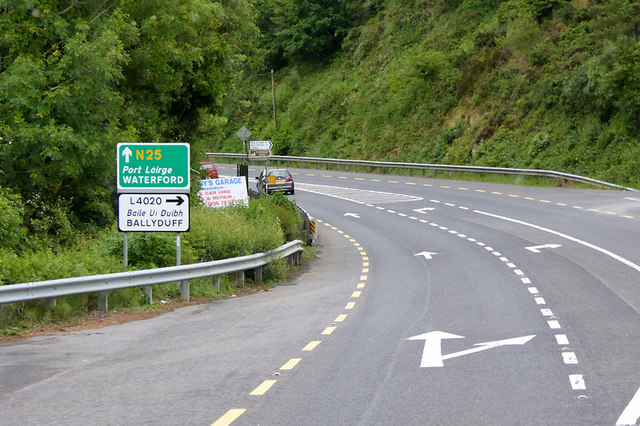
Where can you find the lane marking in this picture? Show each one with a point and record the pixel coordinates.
(263, 388)
(554, 324)
(569, 358)
(565, 236)
(577, 381)
(631, 414)
(562, 339)
(340, 318)
(350, 305)
(229, 417)
(311, 345)
(290, 365)
(328, 331)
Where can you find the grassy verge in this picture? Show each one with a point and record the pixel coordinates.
(215, 234)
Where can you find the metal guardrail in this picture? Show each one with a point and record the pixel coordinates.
(145, 278)
(432, 167)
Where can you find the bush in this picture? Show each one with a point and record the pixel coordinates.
(215, 234)
(13, 235)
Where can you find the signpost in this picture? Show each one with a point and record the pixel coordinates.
(153, 181)
(243, 134)
(260, 148)
(153, 167)
(153, 212)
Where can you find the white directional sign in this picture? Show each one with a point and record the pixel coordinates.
(260, 148)
(432, 353)
(153, 212)
(355, 215)
(153, 167)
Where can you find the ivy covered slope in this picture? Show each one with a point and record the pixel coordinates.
(551, 84)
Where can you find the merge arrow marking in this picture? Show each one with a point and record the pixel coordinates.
(427, 254)
(424, 210)
(516, 341)
(127, 153)
(432, 352)
(536, 249)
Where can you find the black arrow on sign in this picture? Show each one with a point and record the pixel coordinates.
(178, 200)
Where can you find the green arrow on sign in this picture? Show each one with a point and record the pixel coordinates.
(153, 167)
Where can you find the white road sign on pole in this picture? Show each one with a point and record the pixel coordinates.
(260, 148)
(153, 213)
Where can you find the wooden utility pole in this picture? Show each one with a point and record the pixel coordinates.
(273, 95)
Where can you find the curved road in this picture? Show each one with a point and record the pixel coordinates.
(432, 302)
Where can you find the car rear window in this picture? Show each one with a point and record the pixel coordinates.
(279, 174)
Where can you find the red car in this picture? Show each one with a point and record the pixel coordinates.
(212, 172)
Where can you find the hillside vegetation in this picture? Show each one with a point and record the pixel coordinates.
(544, 84)
(551, 84)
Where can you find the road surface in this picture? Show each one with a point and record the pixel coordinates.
(431, 302)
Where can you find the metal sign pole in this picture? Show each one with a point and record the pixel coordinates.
(183, 285)
(125, 251)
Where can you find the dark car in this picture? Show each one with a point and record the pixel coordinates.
(210, 169)
(275, 180)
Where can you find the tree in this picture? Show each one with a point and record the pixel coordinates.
(76, 78)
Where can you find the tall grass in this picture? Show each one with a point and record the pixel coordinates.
(215, 234)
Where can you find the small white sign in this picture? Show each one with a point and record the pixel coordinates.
(260, 148)
(260, 145)
(224, 192)
(153, 212)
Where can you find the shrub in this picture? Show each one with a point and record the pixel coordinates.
(12, 234)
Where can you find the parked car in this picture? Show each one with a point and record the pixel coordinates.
(210, 169)
(275, 180)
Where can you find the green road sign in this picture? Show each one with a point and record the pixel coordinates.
(153, 167)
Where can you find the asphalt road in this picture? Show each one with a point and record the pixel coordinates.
(431, 302)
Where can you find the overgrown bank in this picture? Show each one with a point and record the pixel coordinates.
(215, 234)
(545, 84)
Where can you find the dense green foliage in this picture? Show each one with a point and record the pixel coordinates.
(552, 84)
(215, 234)
(76, 78)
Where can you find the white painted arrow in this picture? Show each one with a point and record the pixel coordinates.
(432, 352)
(357, 216)
(427, 254)
(424, 210)
(127, 153)
(631, 414)
(536, 249)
